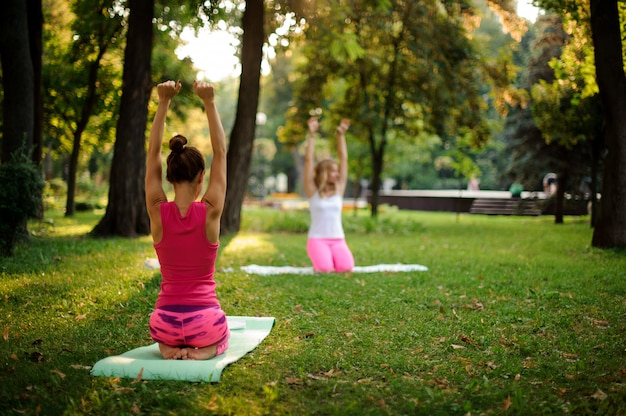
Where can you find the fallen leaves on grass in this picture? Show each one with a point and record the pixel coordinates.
(5, 333)
(600, 323)
(58, 373)
(599, 395)
(468, 340)
(490, 364)
(124, 390)
(293, 380)
(476, 305)
(441, 383)
(213, 404)
(528, 363)
(507, 403)
(139, 376)
(316, 377)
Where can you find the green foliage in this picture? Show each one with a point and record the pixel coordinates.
(514, 316)
(92, 38)
(390, 222)
(81, 98)
(21, 186)
(568, 110)
(267, 221)
(54, 191)
(539, 136)
(407, 102)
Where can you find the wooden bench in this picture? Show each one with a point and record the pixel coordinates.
(513, 206)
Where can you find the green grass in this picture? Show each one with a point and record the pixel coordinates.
(516, 315)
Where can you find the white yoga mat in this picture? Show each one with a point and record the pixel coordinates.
(273, 270)
(153, 264)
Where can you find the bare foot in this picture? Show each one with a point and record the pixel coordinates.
(204, 353)
(172, 353)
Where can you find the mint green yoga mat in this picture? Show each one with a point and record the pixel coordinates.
(246, 332)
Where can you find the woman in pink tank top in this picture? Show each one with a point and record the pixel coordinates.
(187, 322)
(324, 185)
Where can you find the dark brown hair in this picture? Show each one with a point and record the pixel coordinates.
(184, 162)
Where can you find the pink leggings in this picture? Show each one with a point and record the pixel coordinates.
(330, 255)
(190, 327)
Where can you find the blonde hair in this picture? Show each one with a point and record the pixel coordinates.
(321, 176)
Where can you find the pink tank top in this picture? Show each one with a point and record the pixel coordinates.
(186, 257)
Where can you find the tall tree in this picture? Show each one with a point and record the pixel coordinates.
(606, 20)
(18, 81)
(126, 211)
(546, 136)
(96, 28)
(35, 28)
(610, 229)
(20, 53)
(569, 114)
(399, 69)
(242, 136)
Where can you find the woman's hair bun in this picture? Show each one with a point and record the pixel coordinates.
(177, 143)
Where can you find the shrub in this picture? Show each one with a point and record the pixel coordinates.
(54, 194)
(21, 186)
(271, 221)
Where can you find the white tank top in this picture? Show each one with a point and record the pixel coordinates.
(326, 216)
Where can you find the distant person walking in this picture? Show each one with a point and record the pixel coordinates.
(188, 322)
(473, 184)
(324, 185)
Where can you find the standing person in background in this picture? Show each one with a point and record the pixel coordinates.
(188, 322)
(324, 185)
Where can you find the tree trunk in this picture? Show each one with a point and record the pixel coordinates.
(81, 125)
(610, 229)
(17, 75)
(377, 168)
(35, 30)
(241, 140)
(126, 213)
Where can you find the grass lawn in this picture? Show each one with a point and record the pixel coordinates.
(516, 315)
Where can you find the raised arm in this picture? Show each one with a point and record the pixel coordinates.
(309, 158)
(215, 194)
(155, 194)
(342, 153)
